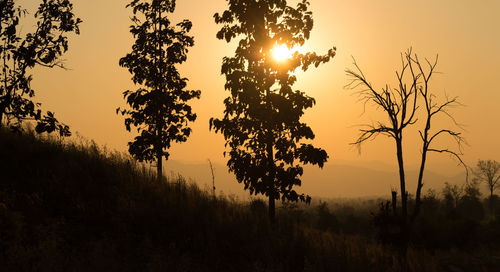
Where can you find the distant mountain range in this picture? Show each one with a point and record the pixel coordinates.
(343, 179)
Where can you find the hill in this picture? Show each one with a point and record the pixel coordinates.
(74, 207)
(68, 206)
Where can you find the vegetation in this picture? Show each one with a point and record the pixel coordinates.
(158, 109)
(261, 122)
(19, 55)
(67, 205)
(488, 171)
(400, 105)
(75, 206)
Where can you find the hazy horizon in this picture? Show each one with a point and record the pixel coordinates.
(464, 34)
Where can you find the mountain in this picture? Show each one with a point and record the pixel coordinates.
(337, 179)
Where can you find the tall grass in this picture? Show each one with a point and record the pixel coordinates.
(73, 206)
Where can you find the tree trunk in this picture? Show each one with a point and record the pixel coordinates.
(272, 209)
(394, 203)
(159, 166)
(419, 184)
(271, 174)
(404, 196)
(159, 151)
(402, 182)
(492, 188)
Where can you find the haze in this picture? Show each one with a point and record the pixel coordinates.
(463, 33)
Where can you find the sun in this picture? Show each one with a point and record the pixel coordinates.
(282, 52)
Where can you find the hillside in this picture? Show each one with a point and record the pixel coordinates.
(74, 207)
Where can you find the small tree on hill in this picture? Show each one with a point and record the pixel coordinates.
(261, 122)
(488, 171)
(19, 55)
(158, 108)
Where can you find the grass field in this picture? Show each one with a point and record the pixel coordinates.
(73, 206)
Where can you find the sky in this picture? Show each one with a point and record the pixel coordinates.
(463, 33)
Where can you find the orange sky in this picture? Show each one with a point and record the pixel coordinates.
(464, 33)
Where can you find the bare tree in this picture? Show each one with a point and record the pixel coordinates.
(431, 109)
(488, 172)
(213, 177)
(453, 193)
(401, 106)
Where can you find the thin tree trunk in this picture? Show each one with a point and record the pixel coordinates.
(491, 201)
(394, 203)
(270, 156)
(159, 166)
(419, 184)
(404, 209)
(4, 104)
(159, 155)
(402, 182)
(272, 211)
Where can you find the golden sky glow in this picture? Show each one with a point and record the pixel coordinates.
(282, 52)
(465, 34)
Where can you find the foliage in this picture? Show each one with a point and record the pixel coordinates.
(326, 219)
(452, 194)
(19, 55)
(261, 123)
(158, 108)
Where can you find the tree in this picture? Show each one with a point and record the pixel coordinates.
(488, 172)
(43, 47)
(401, 105)
(158, 108)
(453, 194)
(261, 123)
(471, 206)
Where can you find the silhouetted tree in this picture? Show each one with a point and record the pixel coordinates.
(488, 171)
(453, 193)
(158, 108)
(470, 205)
(400, 104)
(261, 121)
(19, 55)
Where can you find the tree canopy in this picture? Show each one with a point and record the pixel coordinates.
(262, 118)
(19, 54)
(158, 108)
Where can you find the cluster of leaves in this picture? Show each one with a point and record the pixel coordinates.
(43, 47)
(158, 109)
(261, 122)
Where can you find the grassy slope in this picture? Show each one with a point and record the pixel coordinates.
(74, 207)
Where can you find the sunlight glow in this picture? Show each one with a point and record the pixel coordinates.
(281, 52)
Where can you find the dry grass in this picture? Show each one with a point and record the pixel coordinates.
(73, 206)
